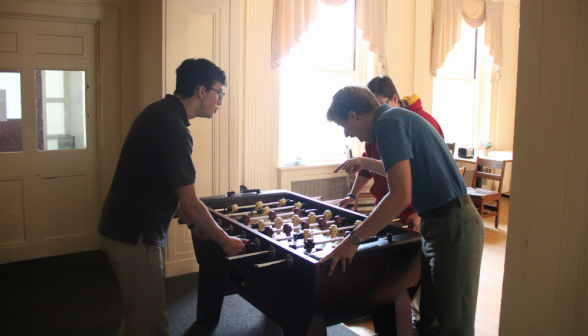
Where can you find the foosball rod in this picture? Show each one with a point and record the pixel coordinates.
(323, 241)
(239, 256)
(299, 227)
(281, 215)
(303, 218)
(252, 206)
(236, 214)
(312, 233)
(266, 204)
(289, 261)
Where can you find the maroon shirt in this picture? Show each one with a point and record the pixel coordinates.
(380, 187)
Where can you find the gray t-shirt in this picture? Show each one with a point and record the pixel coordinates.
(404, 135)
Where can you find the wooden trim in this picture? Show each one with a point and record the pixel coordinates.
(39, 110)
(55, 11)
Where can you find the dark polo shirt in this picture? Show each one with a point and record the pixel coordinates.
(154, 162)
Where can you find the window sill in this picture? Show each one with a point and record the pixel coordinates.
(312, 165)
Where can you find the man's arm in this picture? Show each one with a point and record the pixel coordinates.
(358, 185)
(400, 183)
(356, 164)
(192, 227)
(193, 208)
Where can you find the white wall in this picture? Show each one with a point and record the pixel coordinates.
(259, 151)
(546, 270)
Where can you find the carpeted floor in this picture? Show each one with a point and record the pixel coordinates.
(78, 294)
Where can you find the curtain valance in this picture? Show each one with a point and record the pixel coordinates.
(447, 28)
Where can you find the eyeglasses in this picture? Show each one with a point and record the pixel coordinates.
(219, 93)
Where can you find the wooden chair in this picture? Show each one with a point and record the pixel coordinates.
(480, 197)
(451, 146)
(462, 171)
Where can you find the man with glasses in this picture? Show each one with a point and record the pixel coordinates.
(154, 179)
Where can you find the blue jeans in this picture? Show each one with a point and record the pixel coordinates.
(450, 266)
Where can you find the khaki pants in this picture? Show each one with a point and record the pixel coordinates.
(139, 270)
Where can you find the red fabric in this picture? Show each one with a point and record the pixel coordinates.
(380, 187)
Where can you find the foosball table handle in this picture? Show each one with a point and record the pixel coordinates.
(289, 262)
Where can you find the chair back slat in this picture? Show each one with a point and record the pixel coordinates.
(489, 176)
(499, 164)
(489, 163)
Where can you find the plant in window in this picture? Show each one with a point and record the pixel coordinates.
(486, 145)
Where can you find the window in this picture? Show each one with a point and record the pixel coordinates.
(61, 109)
(10, 111)
(461, 92)
(320, 65)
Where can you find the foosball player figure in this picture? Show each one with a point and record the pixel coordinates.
(327, 215)
(307, 234)
(234, 208)
(322, 223)
(258, 205)
(334, 231)
(312, 218)
(287, 229)
(305, 225)
(261, 225)
(309, 245)
(266, 210)
(268, 231)
(245, 219)
(339, 221)
(357, 223)
(295, 220)
(278, 223)
(272, 216)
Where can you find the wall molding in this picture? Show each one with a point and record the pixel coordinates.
(56, 11)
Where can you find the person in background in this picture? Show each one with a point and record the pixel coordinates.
(385, 91)
(154, 179)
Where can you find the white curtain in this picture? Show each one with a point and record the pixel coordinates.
(447, 28)
(493, 37)
(291, 21)
(292, 18)
(370, 18)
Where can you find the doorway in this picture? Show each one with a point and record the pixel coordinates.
(49, 198)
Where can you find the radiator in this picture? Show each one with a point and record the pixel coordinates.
(329, 188)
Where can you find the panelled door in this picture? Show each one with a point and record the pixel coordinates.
(199, 29)
(49, 203)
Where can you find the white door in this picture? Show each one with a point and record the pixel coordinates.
(200, 29)
(48, 139)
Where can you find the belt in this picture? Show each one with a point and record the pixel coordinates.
(444, 209)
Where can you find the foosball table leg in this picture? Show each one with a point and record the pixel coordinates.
(211, 293)
(395, 319)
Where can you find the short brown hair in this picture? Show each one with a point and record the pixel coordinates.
(352, 98)
(383, 86)
(193, 73)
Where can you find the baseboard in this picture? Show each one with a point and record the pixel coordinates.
(180, 267)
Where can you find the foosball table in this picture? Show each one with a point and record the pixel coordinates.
(280, 273)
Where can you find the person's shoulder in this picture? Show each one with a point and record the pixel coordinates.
(161, 111)
(390, 112)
